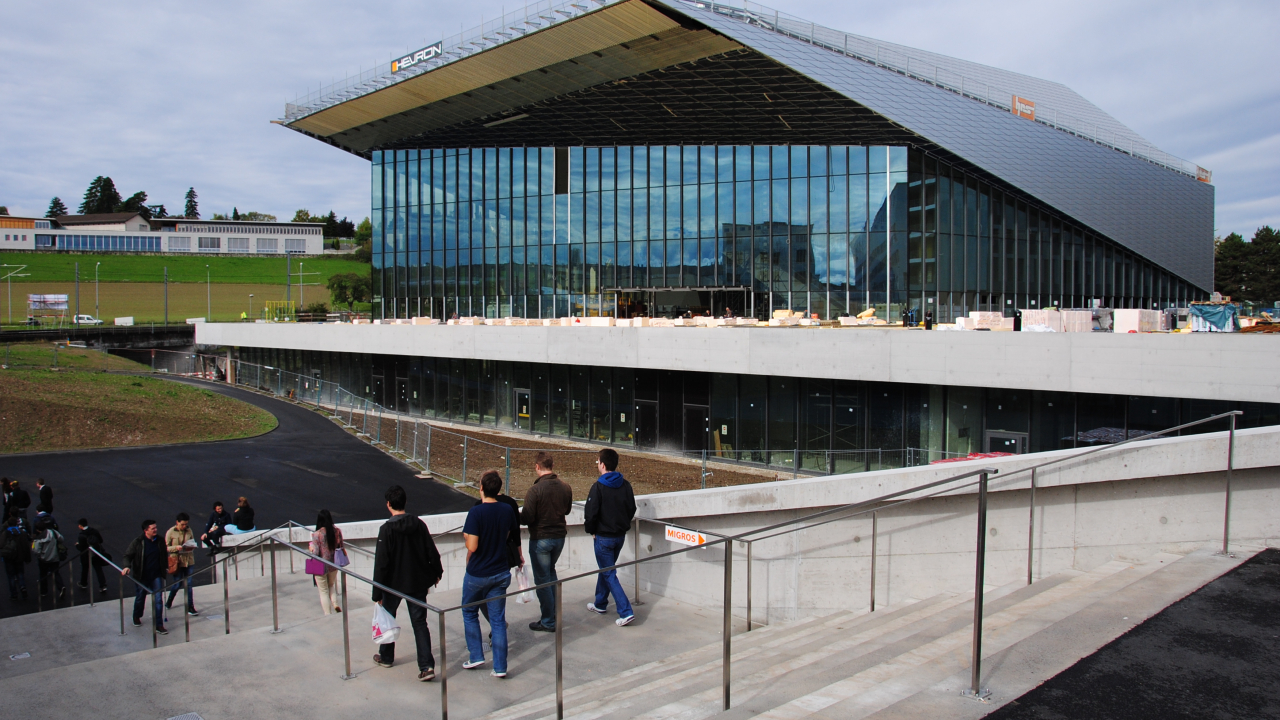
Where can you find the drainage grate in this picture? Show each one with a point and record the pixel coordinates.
(187, 716)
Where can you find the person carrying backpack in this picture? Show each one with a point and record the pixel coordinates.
(50, 550)
(15, 548)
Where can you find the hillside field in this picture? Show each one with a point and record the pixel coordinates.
(46, 267)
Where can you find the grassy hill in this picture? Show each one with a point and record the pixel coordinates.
(44, 267)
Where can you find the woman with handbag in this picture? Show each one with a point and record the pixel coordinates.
(326, 542)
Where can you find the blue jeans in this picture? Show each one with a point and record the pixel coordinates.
(479, 588)
(543, 554)
(607, 551)
(183, 572)
(141, 591)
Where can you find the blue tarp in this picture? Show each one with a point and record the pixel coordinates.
(1214, 317)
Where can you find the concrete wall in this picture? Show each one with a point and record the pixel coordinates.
(1124, 504)
(1200, 366)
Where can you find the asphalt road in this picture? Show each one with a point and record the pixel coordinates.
(1212, 654)
(305, 464)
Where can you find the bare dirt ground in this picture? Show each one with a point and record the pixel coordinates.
(574, 463)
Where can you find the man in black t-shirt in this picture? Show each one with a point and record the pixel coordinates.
(515, 553)
(486, 532)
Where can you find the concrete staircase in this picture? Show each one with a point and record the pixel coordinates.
(907, 661)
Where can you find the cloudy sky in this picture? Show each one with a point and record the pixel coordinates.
(162, 96)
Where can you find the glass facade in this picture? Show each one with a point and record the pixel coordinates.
(767, 420)
(553, 232)
(101, 243)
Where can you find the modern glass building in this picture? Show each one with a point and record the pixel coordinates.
(819, 229)
(645, 157)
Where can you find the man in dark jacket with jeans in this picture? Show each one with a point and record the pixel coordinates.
(610, 507)
(545, 507)
(147, 561)
(406, 560)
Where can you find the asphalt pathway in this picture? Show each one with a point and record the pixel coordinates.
(305, 464)
(1213, 654)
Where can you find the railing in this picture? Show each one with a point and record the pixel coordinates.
(893, 58)
(872, 507)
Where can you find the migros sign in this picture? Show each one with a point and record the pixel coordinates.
(426, 53)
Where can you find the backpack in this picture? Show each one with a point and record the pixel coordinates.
(62, 546)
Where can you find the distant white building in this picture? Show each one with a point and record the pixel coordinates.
(130, 232)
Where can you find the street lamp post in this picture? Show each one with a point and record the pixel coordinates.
(208, 309)
(96, 313)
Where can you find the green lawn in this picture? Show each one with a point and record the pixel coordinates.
(119, 267)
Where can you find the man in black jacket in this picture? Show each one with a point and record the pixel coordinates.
(406, 560)
(46, 495)
(147, 561)
(90, 538)
(610, 507)
(215, 527)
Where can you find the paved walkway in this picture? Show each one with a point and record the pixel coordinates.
(1212, 654)
(305, 464)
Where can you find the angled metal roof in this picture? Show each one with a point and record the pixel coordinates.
(689, 72)
(1164, 216)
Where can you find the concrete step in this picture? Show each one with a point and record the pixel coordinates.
(664, 678)
(1064, 636)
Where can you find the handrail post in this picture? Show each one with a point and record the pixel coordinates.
(750, 544)
(874, 523)
(275, 600)
(559, 651)
(226, 600)
(635, 536)
(346, 628)
(262, 559)
(978, 578)
(121, 604)
(444, 667)
(186, 616)
(728, 621)
(1226, 516)
(1031, 526)
(155, 604)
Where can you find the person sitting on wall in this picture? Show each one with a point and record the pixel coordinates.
(728, 312)
(242, 520)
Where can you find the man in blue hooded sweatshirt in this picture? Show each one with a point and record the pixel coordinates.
(610, 507)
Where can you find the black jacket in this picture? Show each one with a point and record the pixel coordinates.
(244, 518)
(46, 498)
(406, 559)
(91, 538)
(135, 557)
(222, 520)
(15, 543)
(609, 510)
(545, 507)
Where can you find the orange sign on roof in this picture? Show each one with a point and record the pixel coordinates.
(1023, 108)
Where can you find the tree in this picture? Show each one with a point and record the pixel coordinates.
(4, 210)
(100, 197)
(1248, 270)
(349, 288)
(57, 208)
(303, 216)
(346, 228)
(364, 231)
(235, 213)
(135, 203)
(255, 216)
(192, 209)
(331, 225)
(1230, 266)
(158, 211)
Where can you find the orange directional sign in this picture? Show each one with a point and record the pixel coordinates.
(685, 537)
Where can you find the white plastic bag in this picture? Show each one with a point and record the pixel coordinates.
(525, 581)
(385, 629)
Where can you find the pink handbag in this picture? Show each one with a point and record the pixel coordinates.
(315, 567)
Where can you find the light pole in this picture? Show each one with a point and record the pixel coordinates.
(96, 313)
(208, 309)
(302, 283)
(250, 307)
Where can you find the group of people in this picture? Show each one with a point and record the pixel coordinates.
(25, 539)
(406, 559)
(150, 560)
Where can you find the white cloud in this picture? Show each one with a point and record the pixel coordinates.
(163, 96)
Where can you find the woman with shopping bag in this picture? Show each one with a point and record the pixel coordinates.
(326, 542)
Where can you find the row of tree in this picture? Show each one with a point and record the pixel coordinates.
(1248, 270)
(333, 227)
(102, 197)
